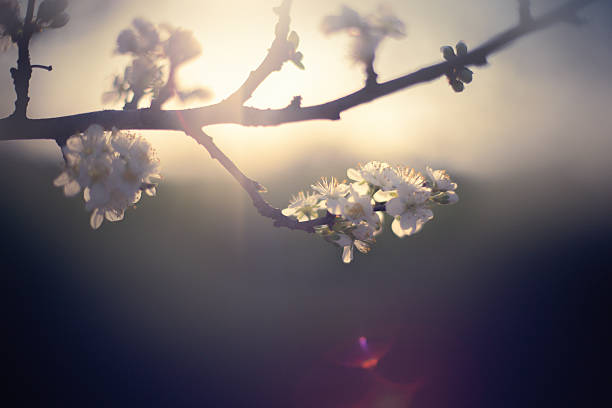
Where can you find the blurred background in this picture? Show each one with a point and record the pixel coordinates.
(195, 300)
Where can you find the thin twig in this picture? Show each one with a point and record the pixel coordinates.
(252, 187)
(23, 73)
(45, 67)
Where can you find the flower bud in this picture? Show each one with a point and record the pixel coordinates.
(465, 75)
(461, 48)
(447, 52)
(457, 85)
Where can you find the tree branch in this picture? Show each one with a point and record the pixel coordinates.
(60, 128)
(22, 74)
(253, 188)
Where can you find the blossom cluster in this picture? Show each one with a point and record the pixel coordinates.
(50, 14)
(156, 50)
(111, 168)
(359, 205)
(367, 31)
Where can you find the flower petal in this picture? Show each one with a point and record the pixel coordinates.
(72, 188)
(62, 179)
(347, 254)
(409, 223)
(136, 197)
(99, 194)
(382, 196)
(95, 131)
(362, 247)
(396, 228)
(395, 207)
(75, 143)
(361, 188)
(354, 174)
(96, 219)
(334, 206)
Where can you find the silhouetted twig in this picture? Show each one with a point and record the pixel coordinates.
(253, 188)
(232, 110)
(228, 111)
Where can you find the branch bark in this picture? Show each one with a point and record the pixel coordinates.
(228, 111)
(23, 73)
(253, 188)
(232, 110)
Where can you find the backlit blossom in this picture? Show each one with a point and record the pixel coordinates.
(304, 207)
(332, 193)
(346, 243)
(401, 192)
(360, 236)
(358, 207)
(440, 180)
(367, 31)
(409, 209)
(156, 52)
(372, 174)
(111, 168)
(182, 46)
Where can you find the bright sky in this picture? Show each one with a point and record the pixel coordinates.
(542, 102)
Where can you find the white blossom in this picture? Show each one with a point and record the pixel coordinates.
(360, 236)
(358, 207)
(401, 192)
(332, 193)
(111, 168)
(376, 174)
(144, 39)
(367, 31)
(440, 180)
(346, 243)
(182, 46)
(304, 207)
(410, 209)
